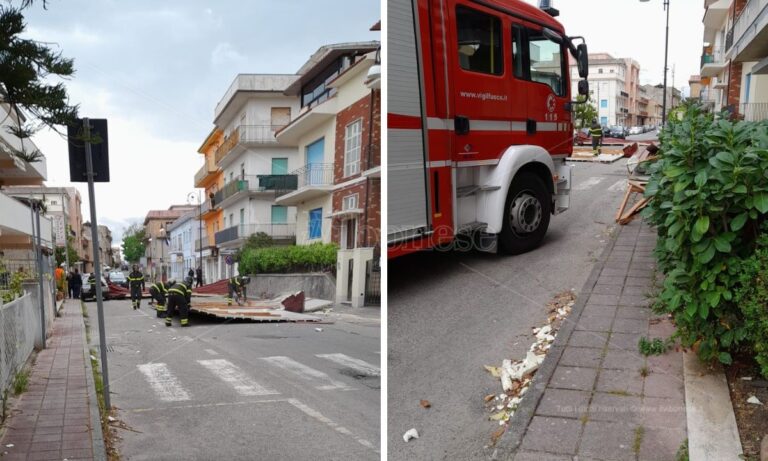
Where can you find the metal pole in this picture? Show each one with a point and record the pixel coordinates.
(39, 261)
(666, 54)
(200, 233)
(96, 263)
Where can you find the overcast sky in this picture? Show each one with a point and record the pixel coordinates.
(156, 69)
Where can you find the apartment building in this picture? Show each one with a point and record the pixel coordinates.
(655, 94)
(253, 165)
(63, 206)
(746, 51)
(608, 88)
(156, 259)
(337, 192)
(211, 178)
(183, 252)
(16, 219)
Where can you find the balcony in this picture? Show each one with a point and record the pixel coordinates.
(255, 185)
(244, 136)
(712, 61)
(313, 180)
(749, 41)
(208, 168)
(236, 235)
(202, 243)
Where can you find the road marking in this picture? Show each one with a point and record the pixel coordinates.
(325, 420)
(356, 364)
(306, 373)
(589, 183)
(164, 383)
(618, 186)
(202, 405)
(211, 351)
(235, 377)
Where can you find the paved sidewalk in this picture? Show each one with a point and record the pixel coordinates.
(52, 420)
(597, 404)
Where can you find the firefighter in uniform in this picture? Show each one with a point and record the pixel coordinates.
(596, 131)
(159, 293)
(136, 284)
(179, 297)
(236, 285)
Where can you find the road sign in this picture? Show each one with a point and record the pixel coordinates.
(78, 171)
(229, 260)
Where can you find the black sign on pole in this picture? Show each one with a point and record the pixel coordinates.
(99, 151)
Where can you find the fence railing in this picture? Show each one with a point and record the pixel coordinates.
(242, 231)
(753, 111)
(258, 134)
(712, 55)
(311, 175)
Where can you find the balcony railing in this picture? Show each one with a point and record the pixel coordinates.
(712, 55)
(208, 167)
(311, 175)
(259, 183)
(247, 134)
(243, 231)
(201, 243)
(278, 182)
(744, 21)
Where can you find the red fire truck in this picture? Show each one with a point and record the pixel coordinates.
(479, 123)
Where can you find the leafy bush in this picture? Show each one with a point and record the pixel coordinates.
(287, 259)
(752, 299)
(710, 194)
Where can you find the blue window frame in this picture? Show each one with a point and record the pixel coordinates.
(279, 166)
(603, 103)
(315, 223)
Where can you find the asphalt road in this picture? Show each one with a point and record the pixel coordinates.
(243, 391)
(451, 313)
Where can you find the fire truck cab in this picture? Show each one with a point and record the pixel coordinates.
(479, 123)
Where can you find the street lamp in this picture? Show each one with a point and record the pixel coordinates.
(666, 54)
(190, 198)
(162, 236)
(151, 261)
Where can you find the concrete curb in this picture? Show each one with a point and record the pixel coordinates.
(513, 437)
(97, 436)
(712, 431)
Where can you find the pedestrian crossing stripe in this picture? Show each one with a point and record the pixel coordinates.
(321, 380)
(163, 382)
(358, 365)
(235, 377)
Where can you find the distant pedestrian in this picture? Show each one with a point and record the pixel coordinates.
(191, 273)
(596, 131)
(199, 277)
(70, 284)
(77, 284)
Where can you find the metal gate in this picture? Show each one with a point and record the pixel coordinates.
(373, 281)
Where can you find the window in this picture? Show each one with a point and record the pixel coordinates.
(352, 140)
(517, 52)
(349, 202)
(546, 61)
(242, 171)
(350, 234)
(279, 214)
(479, 46)
(280, 116)
(279, 166)
(315, 223)
(231, 219)
(603, 103)
(231, 176)
(599, 71)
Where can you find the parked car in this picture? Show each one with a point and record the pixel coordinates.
(581, 137)
(636, 130)
(617, 131)
(86, 294)
(118, 278)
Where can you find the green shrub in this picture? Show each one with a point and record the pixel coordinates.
(752, 299)
(710, 196)
(317, 257)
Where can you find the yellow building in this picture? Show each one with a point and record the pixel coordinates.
(211, 178)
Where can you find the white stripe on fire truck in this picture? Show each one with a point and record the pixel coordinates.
(434, 123)
(358, 365)
(322, 381)
(163, 382)
(234, 376)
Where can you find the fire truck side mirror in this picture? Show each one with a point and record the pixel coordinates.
(584, 87)
(582, 60)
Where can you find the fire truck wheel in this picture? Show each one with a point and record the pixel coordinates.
(526, 216)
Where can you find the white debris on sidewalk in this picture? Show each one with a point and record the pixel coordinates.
(516, 376)
(754, 400)
(410, 434)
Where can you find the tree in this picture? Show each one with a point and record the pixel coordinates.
(27, 70)
(133, 243)
(584, 112)
(61, 256)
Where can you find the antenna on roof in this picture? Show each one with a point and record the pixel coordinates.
(546, 6)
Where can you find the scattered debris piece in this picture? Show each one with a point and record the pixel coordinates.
(111, 419)
(754, 400)
(425, 404)
(516, 375)
(93, 358)
(410, 434)
(174, 338)
(10, 445)
(319, 330)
